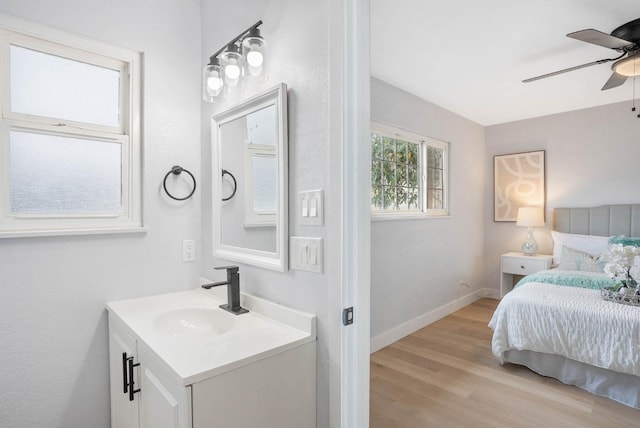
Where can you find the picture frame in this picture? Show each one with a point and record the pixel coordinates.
(519, 181)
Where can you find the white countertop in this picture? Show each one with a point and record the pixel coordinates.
(266, 330)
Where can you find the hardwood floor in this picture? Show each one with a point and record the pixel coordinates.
(445, 375)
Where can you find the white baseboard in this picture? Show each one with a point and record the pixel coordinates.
(396, 333)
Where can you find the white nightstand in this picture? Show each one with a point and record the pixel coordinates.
(519, 264)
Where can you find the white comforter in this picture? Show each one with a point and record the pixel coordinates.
(573, 322)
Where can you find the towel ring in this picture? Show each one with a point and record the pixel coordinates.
(235, 184)
(177, 170)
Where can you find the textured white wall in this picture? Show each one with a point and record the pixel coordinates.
(416, 265)
(297, 34)
(53, 328)
(591, 159)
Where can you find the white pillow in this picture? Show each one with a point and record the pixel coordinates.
(575, 260)
(590, 244)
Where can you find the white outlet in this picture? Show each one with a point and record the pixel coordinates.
(188, 250)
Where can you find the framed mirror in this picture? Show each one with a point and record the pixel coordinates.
(250, 181)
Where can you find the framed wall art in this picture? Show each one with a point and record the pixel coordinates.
(518, 182)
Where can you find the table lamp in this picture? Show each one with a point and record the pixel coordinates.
(530, 217)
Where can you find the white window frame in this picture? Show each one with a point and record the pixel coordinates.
(422, 211)
(29, 35)
(254, 218)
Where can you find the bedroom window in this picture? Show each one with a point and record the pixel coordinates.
(408, 173)
(69, 135)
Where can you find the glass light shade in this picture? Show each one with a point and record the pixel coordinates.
(232, 63)
(254, 49)
(628, 67)
(212, 82)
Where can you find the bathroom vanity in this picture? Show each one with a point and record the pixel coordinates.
(178, 360)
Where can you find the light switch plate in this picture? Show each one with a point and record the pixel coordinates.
(306, 254)
(310, 206)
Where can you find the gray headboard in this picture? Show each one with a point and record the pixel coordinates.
(606, 220)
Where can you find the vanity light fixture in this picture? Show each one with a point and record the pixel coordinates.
(530, 217)
(242, 57)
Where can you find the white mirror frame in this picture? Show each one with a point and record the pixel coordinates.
(279, 260)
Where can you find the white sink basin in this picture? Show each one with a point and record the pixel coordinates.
(197, 340)
(195, 323)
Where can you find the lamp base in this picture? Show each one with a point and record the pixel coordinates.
(530, 246)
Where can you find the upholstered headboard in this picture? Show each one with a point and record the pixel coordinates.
(606, 220)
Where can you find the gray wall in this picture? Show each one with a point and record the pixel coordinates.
(592, 158)
(53, 290)
(416, 265)
(298, 34)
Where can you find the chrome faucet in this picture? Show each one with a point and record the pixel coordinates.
(233, 290)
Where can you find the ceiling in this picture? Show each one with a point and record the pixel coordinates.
(470, 56)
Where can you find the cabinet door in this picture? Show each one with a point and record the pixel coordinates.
(124, 413)
(163, 402)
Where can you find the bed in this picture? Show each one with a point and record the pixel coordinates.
(556, 323)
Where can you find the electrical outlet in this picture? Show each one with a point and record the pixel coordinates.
(188, 250)
(464, 284)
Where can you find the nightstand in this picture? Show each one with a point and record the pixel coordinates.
(519, 264)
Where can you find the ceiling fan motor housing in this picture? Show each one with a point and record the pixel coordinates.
(630, 32)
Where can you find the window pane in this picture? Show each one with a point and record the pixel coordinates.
(412, 154)
(376, 197)
(264, 184)
(61, 88)
(376, 146)
(401, 198)
(401, 151)
(434, 199)
(401, 174)
(389, 195)
(59, 175)
(389, 149)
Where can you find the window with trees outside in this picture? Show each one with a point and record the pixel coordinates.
(70, 144)
(409, 173)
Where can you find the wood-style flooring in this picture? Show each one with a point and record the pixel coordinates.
(445, 375)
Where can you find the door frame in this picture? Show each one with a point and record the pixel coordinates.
(349, 166)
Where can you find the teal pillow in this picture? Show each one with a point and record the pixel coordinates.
(625, 240)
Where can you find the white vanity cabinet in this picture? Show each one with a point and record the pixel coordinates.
(179, 361)
(133, 369)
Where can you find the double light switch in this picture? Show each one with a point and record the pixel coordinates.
(311, 210)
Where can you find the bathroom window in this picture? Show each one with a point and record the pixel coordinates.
(69, 140)
(408, 174)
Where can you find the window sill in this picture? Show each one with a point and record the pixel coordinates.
(71, 232)
(407, 216)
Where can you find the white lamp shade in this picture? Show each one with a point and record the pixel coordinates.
(530, 217)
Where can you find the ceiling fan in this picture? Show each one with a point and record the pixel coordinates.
(625, 40)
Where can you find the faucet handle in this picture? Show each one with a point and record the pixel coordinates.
(229, 269)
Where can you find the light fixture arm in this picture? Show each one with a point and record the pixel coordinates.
(233, 41)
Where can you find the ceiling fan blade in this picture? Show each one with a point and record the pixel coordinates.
(614, 81)
(566, 70)
(599, 38)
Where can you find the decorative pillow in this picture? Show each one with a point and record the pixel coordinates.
(625, 240)
(590, 244)
(572, 259)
